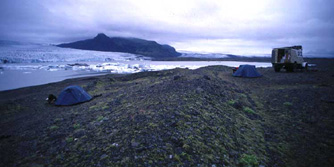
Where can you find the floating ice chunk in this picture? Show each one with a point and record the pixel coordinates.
(52, 69)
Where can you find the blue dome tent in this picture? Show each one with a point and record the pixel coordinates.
(248, 71)
(72, 95)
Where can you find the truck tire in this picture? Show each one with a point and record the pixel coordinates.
(277, 68)
(289, 67)
(295, 66)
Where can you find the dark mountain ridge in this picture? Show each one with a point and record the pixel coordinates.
(128, 45)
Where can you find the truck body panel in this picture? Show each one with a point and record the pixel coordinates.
(289, 58)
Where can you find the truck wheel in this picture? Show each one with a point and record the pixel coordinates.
(277, 68)
(289, 67)
(295, 66)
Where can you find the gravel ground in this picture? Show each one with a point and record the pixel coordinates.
(179, 117)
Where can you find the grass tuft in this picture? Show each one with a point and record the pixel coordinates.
(100, 118)
(69, 139)
(76, 126)
(231, 102)
(249, 110)
(288, 104)
(248, 161)
(53, 127)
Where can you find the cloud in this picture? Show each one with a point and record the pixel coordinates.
(201, 25)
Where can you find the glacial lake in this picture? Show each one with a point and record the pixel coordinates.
(18, 75)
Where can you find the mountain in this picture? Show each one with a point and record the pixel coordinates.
(128, 45)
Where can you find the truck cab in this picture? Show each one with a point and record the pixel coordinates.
(290, 58)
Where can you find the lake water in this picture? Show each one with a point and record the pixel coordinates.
(18, 75)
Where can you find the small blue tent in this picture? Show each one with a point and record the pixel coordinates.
(248, 71)
(72, 95)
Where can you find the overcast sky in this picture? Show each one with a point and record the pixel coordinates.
(251, 27)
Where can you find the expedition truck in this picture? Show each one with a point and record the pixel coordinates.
(290, 58)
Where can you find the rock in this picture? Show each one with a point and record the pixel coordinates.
(112, 79)
(79, 133)
(206, 77)
(140, 118)
(78, 64)
(199, 90)
(134, 144)
(237, 105)
(140, 149)
(105, 119)
(177, 77)
(234, 153)
(104, 156)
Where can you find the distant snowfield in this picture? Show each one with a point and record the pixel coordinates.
(29, 65)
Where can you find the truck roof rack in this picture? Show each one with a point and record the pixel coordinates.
(291, 47)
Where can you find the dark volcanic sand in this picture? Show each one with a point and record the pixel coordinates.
(175, 117)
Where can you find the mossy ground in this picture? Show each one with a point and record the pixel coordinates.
(179, 117)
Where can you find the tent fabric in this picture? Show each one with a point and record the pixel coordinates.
(72, 95)
(248, 71)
